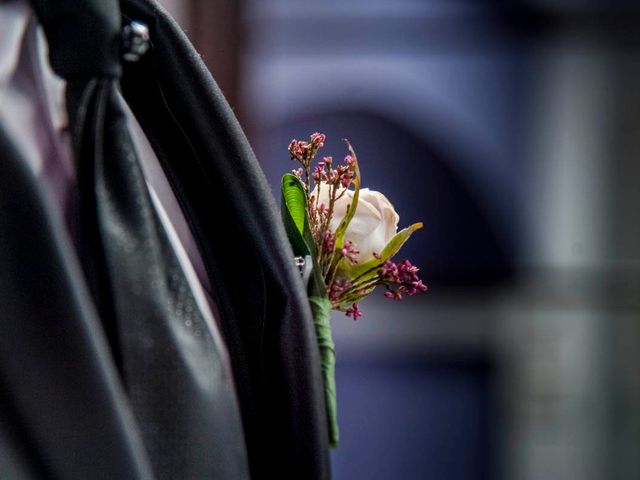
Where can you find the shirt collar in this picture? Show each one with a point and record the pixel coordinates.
(14, 20)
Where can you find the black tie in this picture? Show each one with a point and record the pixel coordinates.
(174, 367)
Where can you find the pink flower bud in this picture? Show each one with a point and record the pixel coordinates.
(354, 311)
(318, 139)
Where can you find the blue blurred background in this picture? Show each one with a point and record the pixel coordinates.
(511, 130)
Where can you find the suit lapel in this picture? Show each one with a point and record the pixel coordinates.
(263, 308)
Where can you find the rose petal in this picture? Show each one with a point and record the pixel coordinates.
(373, 225)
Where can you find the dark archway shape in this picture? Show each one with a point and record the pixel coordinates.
(459, 245)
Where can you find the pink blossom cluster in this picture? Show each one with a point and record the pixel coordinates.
(354, 311)
(329, 241)
(303, 151)
(337, 288)
(349, 251)
(342, 174)
(400, 279)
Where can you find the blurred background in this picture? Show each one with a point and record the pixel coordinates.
(511, 130)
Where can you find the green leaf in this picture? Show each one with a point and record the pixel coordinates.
(296, 223)
(369, 268)
(398, 240)
(294, 214)
(342, 227)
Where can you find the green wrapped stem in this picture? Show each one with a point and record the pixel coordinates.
(296, 223)
(321, 309)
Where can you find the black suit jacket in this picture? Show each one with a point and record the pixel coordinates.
(62, 404)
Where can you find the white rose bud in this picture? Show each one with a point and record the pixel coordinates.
(373, 225)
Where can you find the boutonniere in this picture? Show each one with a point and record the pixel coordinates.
(345, 238)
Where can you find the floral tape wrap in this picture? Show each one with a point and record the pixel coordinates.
(321, 308)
